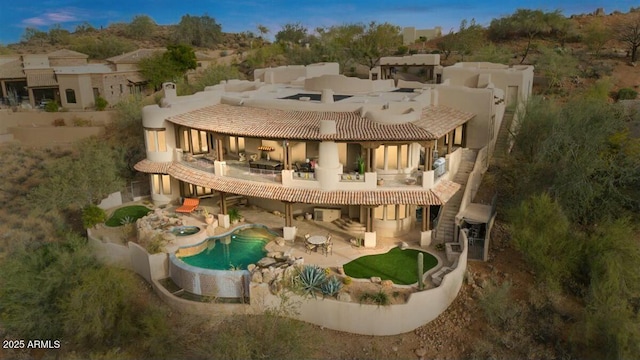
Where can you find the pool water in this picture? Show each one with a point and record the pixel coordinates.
(185, 230)
(232, 251)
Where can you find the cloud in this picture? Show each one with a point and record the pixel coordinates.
(53, 17)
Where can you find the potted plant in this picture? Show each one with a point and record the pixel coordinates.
(380, 181)
(208, 217)
(308, 216)
(360, 164)
(234, 215)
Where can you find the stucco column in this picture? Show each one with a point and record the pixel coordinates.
(288, 214)
(450, 142)
(287, 154)
(328, 167)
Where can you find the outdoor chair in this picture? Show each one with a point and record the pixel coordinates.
(328, 248)
(309, 247)
(188, 205)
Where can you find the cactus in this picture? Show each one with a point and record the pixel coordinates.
(331, 286)
(420, 263)
(310, 279)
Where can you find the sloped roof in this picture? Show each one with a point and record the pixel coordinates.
(40, 78)
(12, 69)
(438, 195)
(434, 122)
(66, 53)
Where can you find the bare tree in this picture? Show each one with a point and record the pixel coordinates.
(629, 33)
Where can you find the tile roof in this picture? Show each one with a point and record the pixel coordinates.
(152, 167)
(434, 122)
(66, 53)
(440, 194)
(41, 78)
(12, 69)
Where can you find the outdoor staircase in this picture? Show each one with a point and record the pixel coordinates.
(502, 142)
(350, 226)
(446, 224)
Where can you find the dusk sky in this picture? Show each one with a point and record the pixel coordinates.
(244, 15)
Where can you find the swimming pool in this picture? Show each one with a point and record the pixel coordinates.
(218, 266)
(234, 251)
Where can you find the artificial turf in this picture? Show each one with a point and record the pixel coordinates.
(399, 266)
(134, 212)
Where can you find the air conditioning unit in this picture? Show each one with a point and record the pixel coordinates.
(326, 215)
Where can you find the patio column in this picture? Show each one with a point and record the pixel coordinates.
(426, 217)
(223, 202)
(288, 214)
(289, 231)
(287, 154)
(428, 155)
(464, 135)
(223, 217)
(450, 142)
(219, 149)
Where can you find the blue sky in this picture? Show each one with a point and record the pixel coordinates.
(245, 15)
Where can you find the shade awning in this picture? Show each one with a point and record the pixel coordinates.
(136, 79)
(476, 213)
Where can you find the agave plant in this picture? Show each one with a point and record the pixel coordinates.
(310, 279)
(127, 220)
(331, 286)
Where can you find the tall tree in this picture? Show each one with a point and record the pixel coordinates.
(629, 33)
(168, 66)
(141, 27)
(374, 41)
(596, 35)
(526, 23)
(199, 31)
(292, 34)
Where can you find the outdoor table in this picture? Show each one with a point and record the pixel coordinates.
(317, 240)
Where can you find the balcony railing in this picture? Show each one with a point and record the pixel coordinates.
(351, 177)
(301, 175)
(199, 163)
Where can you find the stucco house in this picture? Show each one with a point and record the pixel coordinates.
(307, 140)
(410, 34)
(64, 76)
(67, 77)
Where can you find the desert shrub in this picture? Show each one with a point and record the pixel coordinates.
(224, 53)
(347, 280)
(101, 103)
(93, 215)
(627, 94)
(380, 298)
(58, 122)
(51, 106)
(77, 121)
(498, 306)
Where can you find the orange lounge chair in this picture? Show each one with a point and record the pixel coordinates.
(188, 205)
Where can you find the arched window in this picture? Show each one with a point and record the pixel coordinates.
(71, 96)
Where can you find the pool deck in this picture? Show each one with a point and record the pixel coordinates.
(343, 250)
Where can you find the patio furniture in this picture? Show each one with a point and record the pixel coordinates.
(310, 247)
(188, 205)
(317, 240)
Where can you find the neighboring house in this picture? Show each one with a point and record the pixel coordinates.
(323, 143)
(66, 77)
(411, 35)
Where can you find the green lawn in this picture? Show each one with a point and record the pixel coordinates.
(135, 212)
(399, 266)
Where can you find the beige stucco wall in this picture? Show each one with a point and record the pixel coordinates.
(421, 308)
(477, 101)
(82, 86)
(341, 84)
(501, 76)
